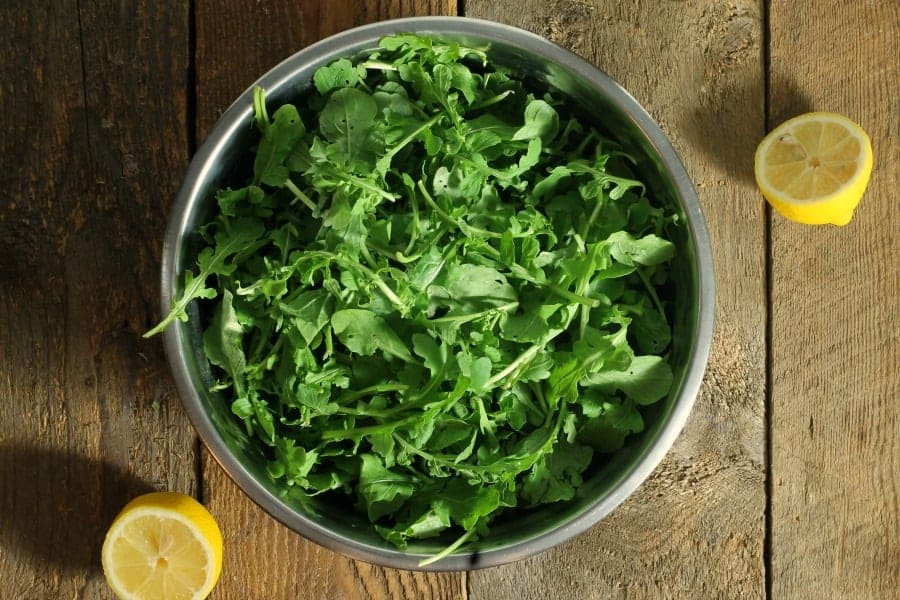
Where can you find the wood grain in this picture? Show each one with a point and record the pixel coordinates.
(92, 104)
(264, 559)
(835, 315)
(696, 527)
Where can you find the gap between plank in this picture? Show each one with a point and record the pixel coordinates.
(460, 8)
(191, 83)
(84, 92)
(190, 119)
(767, 215)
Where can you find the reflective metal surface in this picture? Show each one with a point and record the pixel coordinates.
(601, 100)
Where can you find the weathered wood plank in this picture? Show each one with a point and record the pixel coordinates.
(835, 315)
(236, 43)
(696, 527)
(92, 104)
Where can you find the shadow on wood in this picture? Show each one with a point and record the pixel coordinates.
(717, 125)
(787, 100)
(55, 507)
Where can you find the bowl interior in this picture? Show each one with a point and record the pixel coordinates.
(223, 160)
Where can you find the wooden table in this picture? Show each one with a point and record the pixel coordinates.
(784, 484)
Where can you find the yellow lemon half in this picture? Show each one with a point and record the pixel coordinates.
(163, 546)
(814, 168)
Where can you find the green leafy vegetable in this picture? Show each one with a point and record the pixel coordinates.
(440, 293)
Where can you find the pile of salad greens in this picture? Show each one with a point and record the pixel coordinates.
(440, 294)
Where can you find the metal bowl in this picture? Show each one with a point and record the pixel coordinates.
(606, 486)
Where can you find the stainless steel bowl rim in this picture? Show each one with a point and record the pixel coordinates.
(239, 114)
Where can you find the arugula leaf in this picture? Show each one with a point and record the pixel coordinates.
(651, 331)
(243, 235)
(607, 430)
(311, 311)
(347, 121)
(382, 491)
(467, 287)
(427, 525)
(276, 144)
(468, 503)
(364, 332)
(541, 121)
(529, 327)
(292, 463)
(648, 250)
(232, 201)
(339, 74)
(556, 476)
(222, 342)
(646, 380)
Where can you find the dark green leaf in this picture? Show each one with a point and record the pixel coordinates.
(556, 476)
(468, 503)
(651, 331)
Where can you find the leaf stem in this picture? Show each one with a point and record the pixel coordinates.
(371, 390)
(379, 283)
(472, 316)
(364, 250)
(414, 234)
(386, 158)
(491, 101)
(523, 358)
(449, 549)
(372, 275)
(598, 204)
(376, 65)
(298, 193)
(259, 108)
(368, 186)
(464, 227)
(651, 291)
(572, 296)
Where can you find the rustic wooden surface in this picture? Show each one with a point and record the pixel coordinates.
(93, 142)
(787, 490)
(835, 416)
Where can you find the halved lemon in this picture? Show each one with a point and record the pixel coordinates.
(163, 546)
(814, 168)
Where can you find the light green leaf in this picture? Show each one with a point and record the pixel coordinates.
(541, 121)
(364, 332)
(647, 380)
